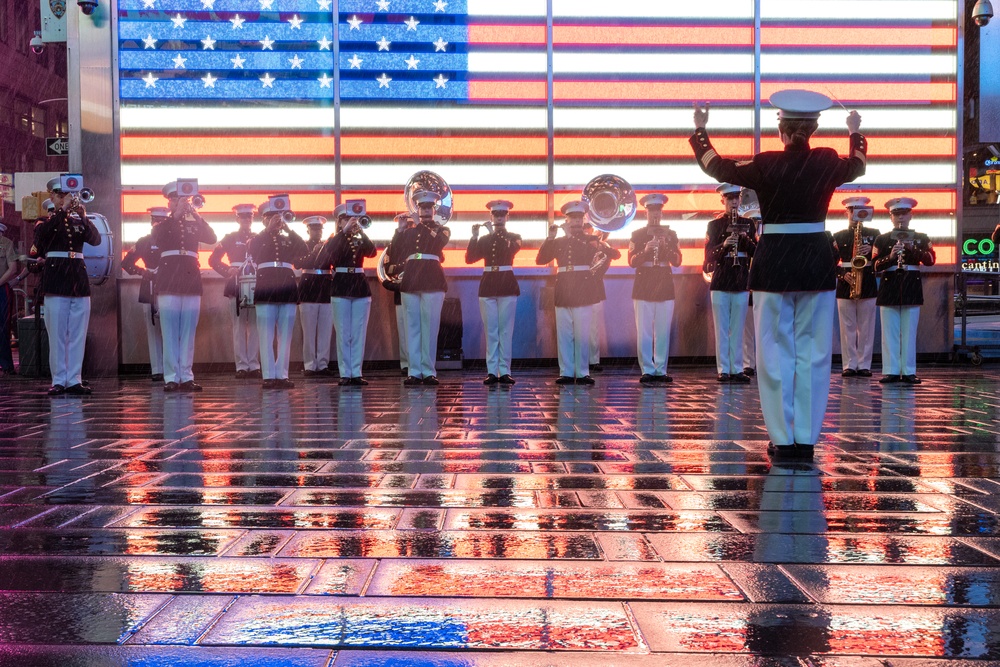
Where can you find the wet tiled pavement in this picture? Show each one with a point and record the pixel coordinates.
(471, 526)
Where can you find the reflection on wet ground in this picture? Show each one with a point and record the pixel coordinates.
(471, 526)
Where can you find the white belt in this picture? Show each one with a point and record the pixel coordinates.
(349, 269)
(181, 253)
(650, 264)
(906, 267)
(275, 265)
(794, 228)
(494, 269)
(738, 255)
(565, 269)
(315, 272)
(64, 254)
(423, 255)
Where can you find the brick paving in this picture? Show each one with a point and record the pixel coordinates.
(474, 526)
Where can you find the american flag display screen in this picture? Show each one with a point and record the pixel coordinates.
(349, 98)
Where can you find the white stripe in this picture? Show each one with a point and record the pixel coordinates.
(829, 64)
(652, 9)
(636, 174)
(872, 119)
(133, 118)
(486, 175)
(235, 173)
(509, 61)
(572, 62)
(436, 118)
(855, 10)
(926, 173)
(506, 8)
(575, 118)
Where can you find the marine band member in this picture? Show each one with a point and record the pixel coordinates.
(857, 315)
(345, 254)
(178, 287)
(423, 287)
(652, 251)
(898, 256)
(149, 253)
(730, 245)
(598, 273)
(275, 251)
(498, 289)
(575, 293)
(234, 248)
(315, 307)
(59, 241)
(395, 266)
(749, 335)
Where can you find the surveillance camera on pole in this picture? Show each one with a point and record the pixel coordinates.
(88, 7)
(37, 45)
(982, 12)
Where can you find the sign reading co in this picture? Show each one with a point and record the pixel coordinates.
(56, 146)
(978, 247)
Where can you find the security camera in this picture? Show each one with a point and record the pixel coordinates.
(37, 45)
(88, 7)
(982, 12)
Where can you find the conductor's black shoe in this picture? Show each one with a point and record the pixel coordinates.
(412, 381)
(170, 386)
(864, 373)
(739, 378)
(157, 377)
(270, 383)
(565, 379)
(78, 390)
(190, 385)
(255, 374)
(780, 451)
(586, 379)
(664, 378)
(56, 390)
(848, 373)
(432, 380)
(803, 452)
(647, 378)
(343, 382)
(749, 372)
(491, 380)
(723, 377)
(890, 379)
(242, 375)
(907, 379)
(359, 382)
(596, 368)
(506, 379)
(285, 384)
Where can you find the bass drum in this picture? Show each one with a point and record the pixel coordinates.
(99, 258)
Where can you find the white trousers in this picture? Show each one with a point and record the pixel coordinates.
(154, 339)
(573, 334)
(317, 331)
(899, 339)
(246, 347)
(275, 320)
(498, 322)
(749, 342)
(404, 354)
(794, 346)
(857, 332)
(350, 316)
(596, 322)
(423, 320)
(729, 311)
(178, 321)
(652, 325)
(66, 322)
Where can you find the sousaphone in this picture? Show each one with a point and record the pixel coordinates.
(611, 206)
(419, 182)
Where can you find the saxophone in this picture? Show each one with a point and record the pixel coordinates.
(855, 276)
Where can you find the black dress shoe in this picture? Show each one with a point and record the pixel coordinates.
(270, 383)
(285, 384)
(848, 373)
(507, 379)
(170, 386)
(255, 374)
(781, 451)
(405, 372)
(647, 378)
(864, 373)
(412, 381)
(242, 375)
(56, 390)
(803, 452)
(723, 377)
(739, 378)
(308, 373)
(343, 382)
(596, 368)
(749, 372)
(432, 380)
(664, 378)
(190, 385)
(359, 382)
(78, 390)
(491, 380)
(158, 377)
(565, 379)
(586, 379)
(906, 379)
(890, 379)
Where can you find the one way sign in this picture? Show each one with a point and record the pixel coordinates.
(56, 146)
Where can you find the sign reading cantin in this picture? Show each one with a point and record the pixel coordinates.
(980, 255)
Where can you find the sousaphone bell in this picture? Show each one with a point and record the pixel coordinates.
(611, 206)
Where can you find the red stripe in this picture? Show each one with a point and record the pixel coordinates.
(858, 38)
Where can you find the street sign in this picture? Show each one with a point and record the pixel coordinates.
(56, 146)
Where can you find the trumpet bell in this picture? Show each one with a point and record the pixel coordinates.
(87, 195)
(431, 182)
(610, 201)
